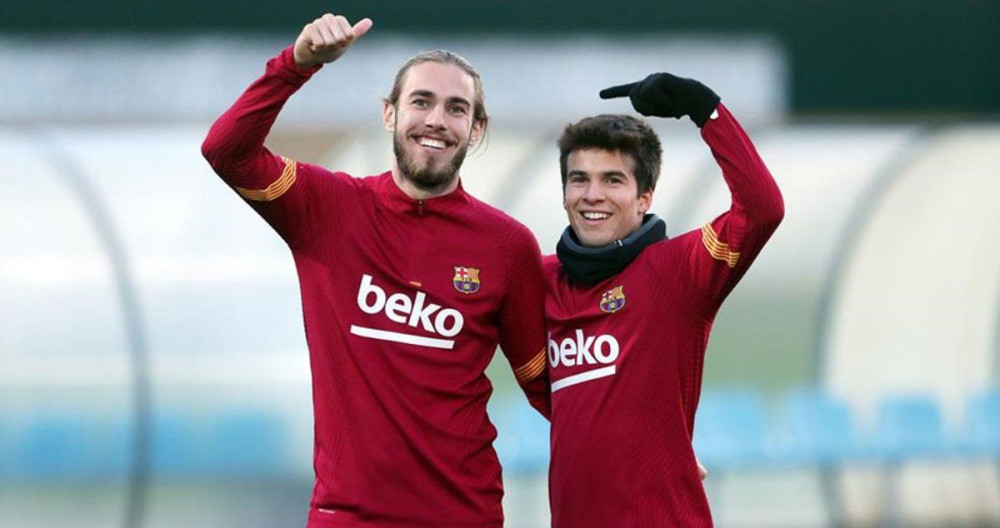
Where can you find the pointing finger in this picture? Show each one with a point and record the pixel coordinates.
(622, 90)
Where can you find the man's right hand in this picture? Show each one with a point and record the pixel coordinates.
(327, 38)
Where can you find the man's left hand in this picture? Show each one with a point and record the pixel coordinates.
(667, 95)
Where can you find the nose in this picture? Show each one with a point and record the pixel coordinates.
(593, 193)
(435, 117)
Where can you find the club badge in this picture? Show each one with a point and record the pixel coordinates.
(466, 280)
(613, 300)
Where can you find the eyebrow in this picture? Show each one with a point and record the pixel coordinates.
(431, 95)
(605, 173)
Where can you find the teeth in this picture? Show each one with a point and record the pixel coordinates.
(432, 143)
(596, 216)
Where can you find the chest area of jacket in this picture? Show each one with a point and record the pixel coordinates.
(440, 301)
(593, 334)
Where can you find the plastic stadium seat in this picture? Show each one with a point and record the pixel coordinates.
(178, 448)
(52, 446)
(246, 444)
(730, 430)
(522, 440)
(6, 449)
(816, 429)
(910, 426)
(983, 419)
(111, 454)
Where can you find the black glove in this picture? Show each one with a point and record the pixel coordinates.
(666, 95)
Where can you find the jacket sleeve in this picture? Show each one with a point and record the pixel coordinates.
(280, 189)
(729, 244)
(522, 322)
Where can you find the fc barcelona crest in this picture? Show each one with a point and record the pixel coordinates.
(613, 300)
(466, 280)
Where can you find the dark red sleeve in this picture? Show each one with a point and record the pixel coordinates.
(276, 187)
(522, 320)
(731, 242)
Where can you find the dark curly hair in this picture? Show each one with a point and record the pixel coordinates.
(616, 133)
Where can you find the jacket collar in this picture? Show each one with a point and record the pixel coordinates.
(399, 202)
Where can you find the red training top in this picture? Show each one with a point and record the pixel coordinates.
(626, 358)
(404, 302)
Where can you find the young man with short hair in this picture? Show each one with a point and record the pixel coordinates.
(408, 284)
(629, 310)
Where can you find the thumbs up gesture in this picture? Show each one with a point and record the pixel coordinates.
(327, 38)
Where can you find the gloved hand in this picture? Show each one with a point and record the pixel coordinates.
(666, 95)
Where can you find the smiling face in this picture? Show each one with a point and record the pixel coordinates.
(432, 124)
(601, 196)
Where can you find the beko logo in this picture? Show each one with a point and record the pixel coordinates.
(415, 312)
(582, 350)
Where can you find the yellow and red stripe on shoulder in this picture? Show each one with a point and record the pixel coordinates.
(276, 189)
(718, 250)
(531, 369)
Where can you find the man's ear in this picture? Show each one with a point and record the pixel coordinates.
(477, 131)
(645, 200)
(389, 116)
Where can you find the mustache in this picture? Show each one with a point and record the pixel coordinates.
(427, 176)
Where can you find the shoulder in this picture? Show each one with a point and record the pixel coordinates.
(339, 180)
(668, 250)
(551, 266)
(551, 263)
(496, 223)
(313, 170)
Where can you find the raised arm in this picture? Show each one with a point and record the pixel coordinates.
(726, 246)
(234, 146)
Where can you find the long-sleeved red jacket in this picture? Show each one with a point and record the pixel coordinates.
(626, 358)
(405, 302)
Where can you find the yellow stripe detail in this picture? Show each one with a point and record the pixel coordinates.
(531, 369)
(276, 189)
(718, 250)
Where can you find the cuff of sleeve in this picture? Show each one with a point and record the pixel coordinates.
(284, 66)
(720, 113)
(706, 109)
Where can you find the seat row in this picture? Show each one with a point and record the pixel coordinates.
(743, 430)
(734, 430)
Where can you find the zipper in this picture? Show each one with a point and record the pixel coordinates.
(416, 256)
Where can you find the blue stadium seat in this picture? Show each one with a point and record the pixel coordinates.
(178, 447)
(52, 446)
(523, 440)
(983, 419)
(910, 426)
(6, 447)
(730, 430)
(246, 443)
(816, 429)
(111, 454)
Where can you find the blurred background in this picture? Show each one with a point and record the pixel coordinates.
(153, 370)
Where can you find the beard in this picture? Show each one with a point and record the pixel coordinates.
(430, 175)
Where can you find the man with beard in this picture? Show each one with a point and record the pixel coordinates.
(629, 310)
(408, 284)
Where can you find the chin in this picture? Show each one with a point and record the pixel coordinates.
(592, 241)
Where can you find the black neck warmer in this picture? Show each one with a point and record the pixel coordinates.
(591, 265)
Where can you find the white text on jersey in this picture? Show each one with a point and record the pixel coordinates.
(583, 350)
(400, 308)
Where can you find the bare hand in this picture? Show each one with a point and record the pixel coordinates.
(327, 38)
(702, 472)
